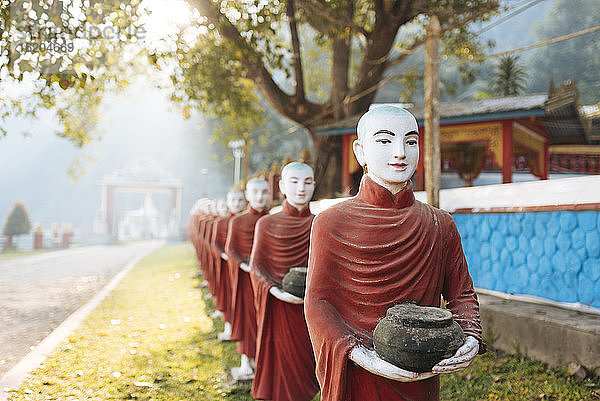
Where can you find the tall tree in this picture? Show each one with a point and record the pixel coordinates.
(244, 46)
(17, 222)
(509, 78)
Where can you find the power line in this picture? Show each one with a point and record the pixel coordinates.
(508, 16)
(419, 49)
(533, 46)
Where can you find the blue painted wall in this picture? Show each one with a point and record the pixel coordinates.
(554, 255)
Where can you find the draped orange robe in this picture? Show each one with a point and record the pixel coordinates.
(205, 253)
(199, 240)
(221, 272)
(238, 247)
(366, 255)
(285, 365)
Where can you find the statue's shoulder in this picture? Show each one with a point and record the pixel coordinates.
(268, 219)
(442, 216)
(338, 212)
(239, 216)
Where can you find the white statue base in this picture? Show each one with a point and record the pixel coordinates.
(226, 334)
(244, 372)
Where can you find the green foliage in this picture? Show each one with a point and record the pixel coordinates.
(17, 220)
(579, 55)
(53, 46)
(509, 79)
(213, 66)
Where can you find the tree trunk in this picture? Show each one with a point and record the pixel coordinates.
(327, 165)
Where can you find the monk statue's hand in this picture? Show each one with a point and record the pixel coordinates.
(245, 267)
(224, 256)
(369, 360)
(285, 296)
(461, 359)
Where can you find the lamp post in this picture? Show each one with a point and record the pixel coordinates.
(237, 147)
(203, 175)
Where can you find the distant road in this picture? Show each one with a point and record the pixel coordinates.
(37, 292)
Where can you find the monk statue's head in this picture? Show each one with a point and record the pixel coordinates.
(222, 208)
(257, 193)
(388, 145)
(212, 208)
(235, 201)
(297, 184)
(205, 206)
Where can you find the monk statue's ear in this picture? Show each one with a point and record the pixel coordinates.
(359, 152)
(282, 186)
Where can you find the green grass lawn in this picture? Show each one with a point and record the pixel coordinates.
(152, 339)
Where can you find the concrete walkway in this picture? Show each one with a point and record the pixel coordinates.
(40, 291)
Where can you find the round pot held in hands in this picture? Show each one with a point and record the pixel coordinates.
(416, 338)
(294, 281)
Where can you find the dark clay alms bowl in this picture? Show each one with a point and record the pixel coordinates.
(416, 338)
(294, 281)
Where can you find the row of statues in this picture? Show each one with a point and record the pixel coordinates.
(364, 255)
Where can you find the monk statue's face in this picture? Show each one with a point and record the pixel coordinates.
(222, 208)
(298, 185)
(236, 201)
(257, 194)
(212, 208)
(388, 144)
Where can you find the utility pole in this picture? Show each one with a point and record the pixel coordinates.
(237, 147)
(432, 112)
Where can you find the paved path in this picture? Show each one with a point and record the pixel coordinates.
(39, 292)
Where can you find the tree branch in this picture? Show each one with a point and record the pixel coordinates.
(322, 9)
(296, 56)
(390, 63)
(285, 104)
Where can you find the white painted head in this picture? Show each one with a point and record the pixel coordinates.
(236, 201)
(257, 193)
(297, 184)
(212, 208)
(222, 209)
(388, 146)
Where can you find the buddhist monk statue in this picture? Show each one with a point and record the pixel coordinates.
(285, 365)
(373, 251)
(208, 259)
(240, 236)
(235, 203)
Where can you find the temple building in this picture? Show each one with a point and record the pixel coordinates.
(141, 182)
(537, 134)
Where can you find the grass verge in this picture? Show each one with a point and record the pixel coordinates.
(152, 339)
(496, 376)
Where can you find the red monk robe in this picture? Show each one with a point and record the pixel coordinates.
(366, 255)
(285, 365)
(238, 247)
(204, 249)
(210, 256)
(198, 241)
(222, 281)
